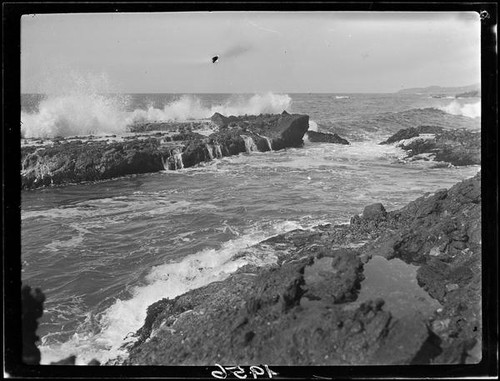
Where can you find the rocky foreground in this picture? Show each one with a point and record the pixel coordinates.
(156, 146)
(457, 147)
(299, 311)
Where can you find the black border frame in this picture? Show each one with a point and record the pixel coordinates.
(11, 196)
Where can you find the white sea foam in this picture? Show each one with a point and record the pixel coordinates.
(313, 126)
(189, 107)
(472, 110)
(317, 155)
(75, 104)
(58, 244)
(83, 111)
(164, 281)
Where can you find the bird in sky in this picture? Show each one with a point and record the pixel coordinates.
(215, 59)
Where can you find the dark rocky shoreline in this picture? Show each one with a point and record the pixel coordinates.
(321, 137)
(167, 146)
(457, 147)
(299, 311)
(175, 145)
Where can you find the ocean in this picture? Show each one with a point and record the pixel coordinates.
(102, 252)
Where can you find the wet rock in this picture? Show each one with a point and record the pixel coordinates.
(454, 354)
(96, 160)
(408, 133)
(321, 137)
(457, 147)
(408, 342)
(171, 126)
(222, 121)
(74, 162)
(335, 277)
(374, 212)
(298, 310)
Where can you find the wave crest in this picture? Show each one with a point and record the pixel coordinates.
(164, 281)
(190, 107)
(74, 114)
(472, 110)
(84, 112)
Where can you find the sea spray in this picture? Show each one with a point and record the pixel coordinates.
(177, 160)
(85, 110)
(74, 114)
(218, 151)
(164, 281)
(269, 143)
(165, 163)
(189, 107)
(75, 104)
(471, 110)
(313, 126)
(210, 151)
(249, 144)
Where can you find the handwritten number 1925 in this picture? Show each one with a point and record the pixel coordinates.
(239, 372)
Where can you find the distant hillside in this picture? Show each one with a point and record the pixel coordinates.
(438, 90)
(469, 94)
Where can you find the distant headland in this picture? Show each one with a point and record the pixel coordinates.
(439, 90)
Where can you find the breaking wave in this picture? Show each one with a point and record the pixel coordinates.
(313, 126)
(190, 107)
(472, 110)
(88, 109)
(110, 332)
(74, 114)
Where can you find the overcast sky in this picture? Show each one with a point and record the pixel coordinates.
(259, 52)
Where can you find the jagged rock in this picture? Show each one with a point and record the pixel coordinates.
(69, 161)
(409, 341)
(298, 311)
(374, 212)
(321, 137)
(32, 310)
(408, 133)
(457, 147)
(221, 120)
(96, 160)
(172, 126)
(335, 276)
